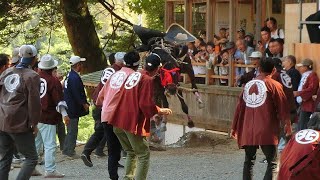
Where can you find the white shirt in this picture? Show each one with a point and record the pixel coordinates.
(303, 80)
(277, 34)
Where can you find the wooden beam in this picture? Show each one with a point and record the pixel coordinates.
(258, 20)
(263, 11)
(188, 15)
(210, 19)
(232, 19)
(169, 14)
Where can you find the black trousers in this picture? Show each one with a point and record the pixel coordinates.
(270, 151)
(61, 132)
(97, 141)
(304, 118)
(114, 147)
(25, 145)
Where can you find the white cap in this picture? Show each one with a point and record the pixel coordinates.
(119, 57)
(27, 51)
(47, 62)
(15, 55)
(256, 54)
(76, 59)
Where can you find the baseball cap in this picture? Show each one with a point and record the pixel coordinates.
(119, 56)
(132, 59)
(76, 59)
(27, 51)
(305, 62)
(15, 55)
(256, 54)
(153, 61)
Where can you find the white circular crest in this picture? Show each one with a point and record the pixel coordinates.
(43, 87)
(307, 136)
(11, 82)
(117, 80)
(286, 79)
(255, 100)
(132, 80)
(106, 75)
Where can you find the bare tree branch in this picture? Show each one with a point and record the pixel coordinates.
(110, 9)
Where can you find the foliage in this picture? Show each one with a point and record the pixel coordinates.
(86, 127)
(154, 10)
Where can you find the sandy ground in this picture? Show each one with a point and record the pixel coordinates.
(203, 159)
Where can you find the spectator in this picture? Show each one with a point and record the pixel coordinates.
(276, 48)
(308, 87)
(200, 57)
(273, 26)
(203, 35)
(255, 59)
(21, 110)
(197, 43)
(51, 94)
(241, 34)
(221, 40)
(211, 55)
(223, 69)
(15, 57)
(250, 40)
(76, 100)
(263, 46)
(4, 62)
(128, 88)
(289, 63)
(245, 52)
(261, 107)
(192, 50)
(101, 134)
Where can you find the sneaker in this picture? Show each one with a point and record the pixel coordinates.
(100, 154)
(16, 160)
(35, 172)
(54, 174)
(263, 161)
(86, 160)
(120, 165)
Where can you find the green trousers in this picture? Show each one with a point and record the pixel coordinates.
(138, 154)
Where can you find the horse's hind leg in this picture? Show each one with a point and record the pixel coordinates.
(185, 108)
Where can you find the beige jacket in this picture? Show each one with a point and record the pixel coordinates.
(20, 107)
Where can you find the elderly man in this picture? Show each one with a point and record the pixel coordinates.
(21, 111)
(308, 87)
(289, 63)
(76, 100)
(245, 52)
(255, 58)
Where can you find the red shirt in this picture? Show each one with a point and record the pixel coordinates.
(127, 101)
(300, 159)
(51, 94)
(261, 106)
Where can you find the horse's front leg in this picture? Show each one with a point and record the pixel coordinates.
(185, 108)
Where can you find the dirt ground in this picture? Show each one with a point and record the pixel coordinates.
(196, 156)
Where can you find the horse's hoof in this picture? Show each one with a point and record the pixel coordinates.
(190, 124)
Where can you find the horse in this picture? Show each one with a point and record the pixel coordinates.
(174, 62)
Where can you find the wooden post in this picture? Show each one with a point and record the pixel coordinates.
(231, 73)
(188, 15)
(263, 10)
(258, 20)
(169, 13)
(210, 19)
(232, 20)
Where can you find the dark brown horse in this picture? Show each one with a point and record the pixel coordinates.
(174, 61)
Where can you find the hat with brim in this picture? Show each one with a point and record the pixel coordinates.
(256, 54)
(176, 33)
(47, 62)
(305, 62)
(27, 53)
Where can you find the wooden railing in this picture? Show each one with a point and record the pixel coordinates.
(210, 77)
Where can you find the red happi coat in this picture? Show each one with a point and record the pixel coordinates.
(127, 101)
(261, 106)
(300, 159)
(309, 89)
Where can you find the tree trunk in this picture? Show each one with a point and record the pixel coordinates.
(82, 34)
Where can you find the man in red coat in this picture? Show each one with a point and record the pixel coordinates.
(127, 104)
(308, 87)
(300, 159)
(261, 106)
